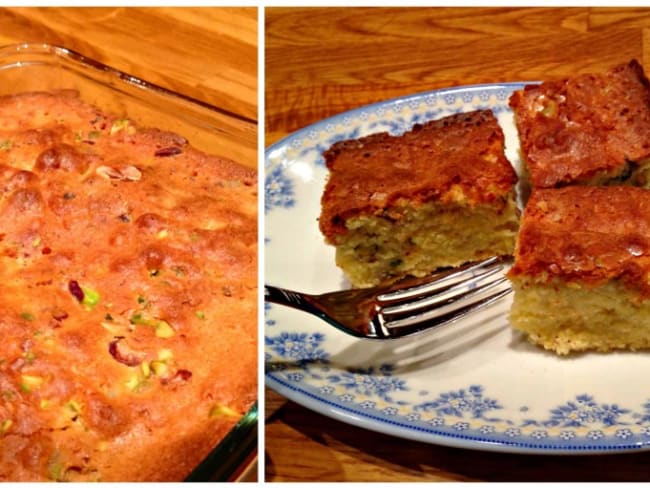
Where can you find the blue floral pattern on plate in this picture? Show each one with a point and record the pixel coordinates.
(478, 385)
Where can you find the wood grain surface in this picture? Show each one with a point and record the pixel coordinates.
(323, 61)
(209, 54)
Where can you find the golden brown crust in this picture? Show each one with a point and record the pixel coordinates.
(587, 235)
(121, 385)
(437, 161)
(575, 129)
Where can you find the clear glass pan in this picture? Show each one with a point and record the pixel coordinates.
(33, 67)
(30, 67)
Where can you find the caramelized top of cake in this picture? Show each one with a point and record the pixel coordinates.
(458, 158)
(578, 128)
(128, 295)
(586, 234)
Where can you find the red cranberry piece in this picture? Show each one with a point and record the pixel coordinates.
(122, 354)
(76, 290)
(168, 151)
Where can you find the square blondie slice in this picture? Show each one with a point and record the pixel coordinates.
(591, 129)
(582, 269)
(439, 195)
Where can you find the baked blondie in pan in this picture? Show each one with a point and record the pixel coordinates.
(128, 279)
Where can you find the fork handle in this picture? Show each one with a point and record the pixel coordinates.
(290, 298)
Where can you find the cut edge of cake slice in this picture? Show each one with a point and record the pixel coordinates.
(581, 270)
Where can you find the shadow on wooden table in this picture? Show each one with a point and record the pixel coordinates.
(415, 458)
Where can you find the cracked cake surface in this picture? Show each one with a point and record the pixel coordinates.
(128, 289)
(586, 129)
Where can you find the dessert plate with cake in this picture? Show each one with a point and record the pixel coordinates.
(433, 179)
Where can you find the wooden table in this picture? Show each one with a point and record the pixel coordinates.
(209, 54)
(320, 62)
(206, 53)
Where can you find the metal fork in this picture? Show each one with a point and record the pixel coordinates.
(408, 306)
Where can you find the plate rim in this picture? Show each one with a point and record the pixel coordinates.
(412, 433)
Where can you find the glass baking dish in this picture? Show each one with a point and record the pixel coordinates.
(35, 67)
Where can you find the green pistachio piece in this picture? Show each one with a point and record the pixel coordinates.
(91, 297)
(220, 410)
(55, 470)
(73, 406)
(146, 369)
(165, 354)
(133, 382)
(5, 425)
(164, 330)
(119, 125)
(159, 368)
(29, 383)
(137, 319)
(161, 327)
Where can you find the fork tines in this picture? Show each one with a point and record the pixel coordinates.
(447, 298)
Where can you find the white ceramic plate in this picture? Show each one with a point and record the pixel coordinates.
(476, 384)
